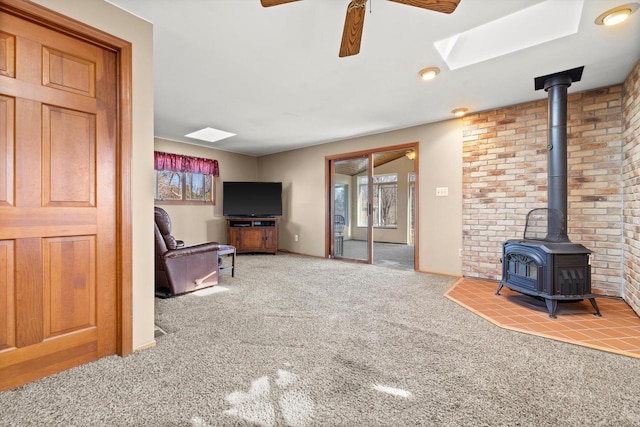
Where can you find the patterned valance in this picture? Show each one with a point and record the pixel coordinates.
(180, 163)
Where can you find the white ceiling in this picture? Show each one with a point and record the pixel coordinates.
(273, 77)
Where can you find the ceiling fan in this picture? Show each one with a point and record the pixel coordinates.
(354, 22)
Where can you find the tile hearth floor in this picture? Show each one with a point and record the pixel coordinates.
(617, 331)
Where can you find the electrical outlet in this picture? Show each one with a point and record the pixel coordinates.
(442, 191)
(460, 253)
(295, 237)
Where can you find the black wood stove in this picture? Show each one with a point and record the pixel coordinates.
(545, 263)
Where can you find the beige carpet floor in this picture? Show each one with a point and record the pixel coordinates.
(299, 341)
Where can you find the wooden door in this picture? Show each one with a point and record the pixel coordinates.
(58, 181)
(252, 239)
(269, 243)
(233, 236)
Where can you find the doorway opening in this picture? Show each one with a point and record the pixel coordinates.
(372, 206)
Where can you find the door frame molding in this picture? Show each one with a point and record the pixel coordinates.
(328, 174)
(123, 51)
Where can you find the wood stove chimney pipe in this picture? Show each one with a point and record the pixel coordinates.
(556, 86)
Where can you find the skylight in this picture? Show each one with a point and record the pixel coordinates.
(210, 134)
(541, 23)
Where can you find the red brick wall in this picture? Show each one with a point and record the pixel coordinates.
(505, 176)
(631, 191)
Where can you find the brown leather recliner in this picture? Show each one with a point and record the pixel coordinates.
(181, 269)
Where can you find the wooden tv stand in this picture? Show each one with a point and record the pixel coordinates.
(253, 234)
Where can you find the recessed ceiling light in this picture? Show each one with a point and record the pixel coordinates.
(459, 112)
(429, 73)
(616, 15)
(210, 134)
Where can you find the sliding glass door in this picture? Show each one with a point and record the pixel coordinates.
(350, 209)
(372, 206)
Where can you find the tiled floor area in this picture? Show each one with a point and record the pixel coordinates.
(617, 331)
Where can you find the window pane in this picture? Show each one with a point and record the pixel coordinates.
(168, 185)
(384, 203)
(183, 186)
(388, 204)
(208, 192)
(340, 206)
(195, 186)
(385, 196)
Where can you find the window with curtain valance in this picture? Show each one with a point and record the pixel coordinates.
(184, 179)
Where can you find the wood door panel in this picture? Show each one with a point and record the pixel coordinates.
(53, 85)
(28, 364)
(7, 123)
(29, 292)
(28, 157)
(27, 222)
(253, 238)
(31, 34)
(7, 55)
(270, 239)
(7, 295)
(64, 71)
(69, 284)
(61, 219)
(47, 95)
(49, 346)
(232, 238)
(68, 157)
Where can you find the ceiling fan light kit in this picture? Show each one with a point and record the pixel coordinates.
(354, 21)
(616, 15)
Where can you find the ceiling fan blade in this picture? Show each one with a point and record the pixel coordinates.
(268, 3)
(443, 6)
(353, 25)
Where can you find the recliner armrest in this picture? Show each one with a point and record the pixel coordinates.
(192, 250)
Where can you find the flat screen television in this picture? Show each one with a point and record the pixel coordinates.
(251, 199)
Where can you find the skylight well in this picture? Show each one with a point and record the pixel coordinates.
(541, 23)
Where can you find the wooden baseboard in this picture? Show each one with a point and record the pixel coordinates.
(146, 346)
